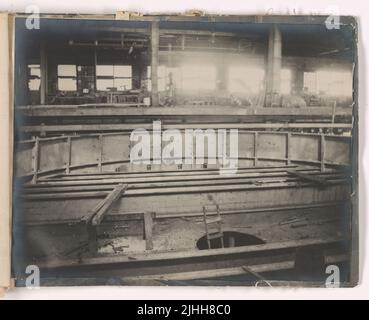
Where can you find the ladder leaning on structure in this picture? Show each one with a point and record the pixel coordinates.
(213, 227)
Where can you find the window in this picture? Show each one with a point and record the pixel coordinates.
(85, 79)
(187, 77)
(310, 82)
(113, 76)
(334, 83)
(163, 77)
(34, 77)
(245, 79)
(286, 81)
(67, 77)
(329, 82)
(198, 77)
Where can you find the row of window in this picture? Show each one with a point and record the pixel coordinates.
(247, 79)
(107, 77)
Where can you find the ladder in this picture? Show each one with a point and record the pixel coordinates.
(213, 227)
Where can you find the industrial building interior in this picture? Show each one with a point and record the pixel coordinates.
(83, 210)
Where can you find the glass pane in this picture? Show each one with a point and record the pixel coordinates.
(123, 71)
(105, 70)
(104, 84)
(123, 84)
(34, 84)
(67, 84)
(34, 70)
(310, 82)
(67, 70)
(334, 83)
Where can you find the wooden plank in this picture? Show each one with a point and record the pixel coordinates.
(35, 160)
(108, 182)
(106, 204)
(179, 190)
(51, 173)
(259, 210)
(148, 174)
(167, 182)
(83, 180)
(310, 178)
(148, 227)
(87, 218)
(161, 184)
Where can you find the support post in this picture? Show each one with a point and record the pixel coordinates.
(256, 135)
(322, 152)
(35, 159)
(69, 155)
(95, 66)
(100, 152)
(288, 148)
(43, 71)
(154, 63)
(274, 67)
(148, 225)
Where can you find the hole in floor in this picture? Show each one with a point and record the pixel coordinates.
(231, 239)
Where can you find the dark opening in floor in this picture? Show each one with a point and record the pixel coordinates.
(231, 239)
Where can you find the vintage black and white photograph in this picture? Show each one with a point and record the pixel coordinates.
(185, 150)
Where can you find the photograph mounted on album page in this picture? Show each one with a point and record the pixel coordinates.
(182, 150)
